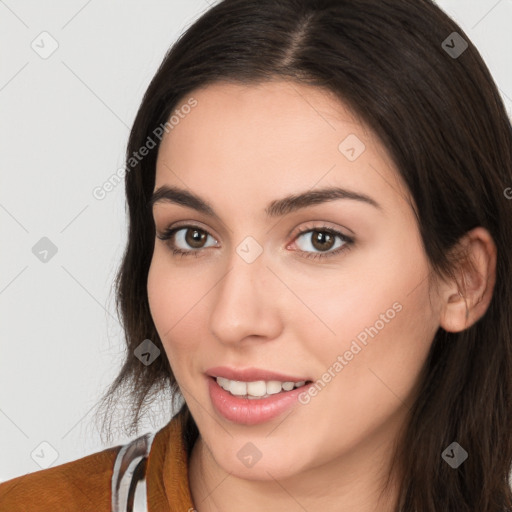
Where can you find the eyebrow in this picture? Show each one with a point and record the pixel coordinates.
(276, 208)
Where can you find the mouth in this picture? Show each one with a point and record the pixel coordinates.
(258, 389)
(242, 407)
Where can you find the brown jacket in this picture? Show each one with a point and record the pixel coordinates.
(84, 485)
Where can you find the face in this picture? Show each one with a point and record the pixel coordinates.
(330, 290)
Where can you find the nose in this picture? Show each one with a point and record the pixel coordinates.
(246, 302)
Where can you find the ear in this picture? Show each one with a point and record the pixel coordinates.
(466, 301)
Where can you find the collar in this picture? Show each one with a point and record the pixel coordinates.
(168, 487)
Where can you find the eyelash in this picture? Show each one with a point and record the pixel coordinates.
(348, 241)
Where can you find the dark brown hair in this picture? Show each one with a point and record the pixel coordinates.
(442, 120)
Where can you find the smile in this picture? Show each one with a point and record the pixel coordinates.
(254, 402)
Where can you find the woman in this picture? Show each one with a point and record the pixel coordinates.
(318, 263)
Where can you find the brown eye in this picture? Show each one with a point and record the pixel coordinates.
(195, 237)
(320, 242)
(185, 240)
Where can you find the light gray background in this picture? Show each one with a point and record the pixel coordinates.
(64, 126)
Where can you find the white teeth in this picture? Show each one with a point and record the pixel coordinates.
(257, 389)
(223, 383)
(273, 387)
(237, 387)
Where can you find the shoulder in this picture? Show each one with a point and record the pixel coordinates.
(83, 484)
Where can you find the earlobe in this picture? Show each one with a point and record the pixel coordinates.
(466, 301)
(455, 314)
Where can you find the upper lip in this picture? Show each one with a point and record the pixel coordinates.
(251, 374)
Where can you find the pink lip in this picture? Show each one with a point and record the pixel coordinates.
(252, 374)
(246, 411)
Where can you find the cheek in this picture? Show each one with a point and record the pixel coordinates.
(160, 294)
(177, 304)
(370, 287)
(383, 328)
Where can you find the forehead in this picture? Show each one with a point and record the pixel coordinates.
(246, 111)
(272, 137)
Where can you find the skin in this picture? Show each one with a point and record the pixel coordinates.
(240, 148)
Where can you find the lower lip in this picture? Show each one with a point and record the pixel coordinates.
(246, 411)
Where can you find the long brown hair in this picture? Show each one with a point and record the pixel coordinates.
(435, 107)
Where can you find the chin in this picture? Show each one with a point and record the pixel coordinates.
(250, 460)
